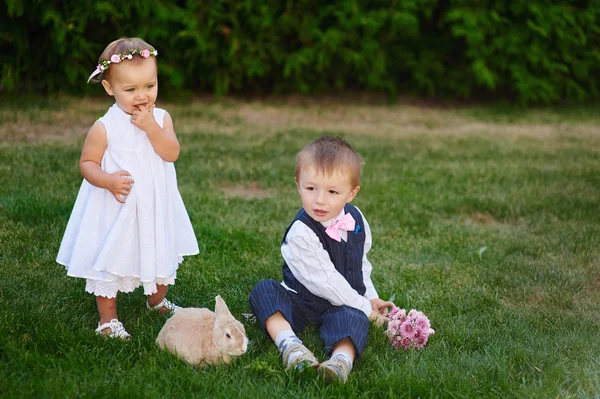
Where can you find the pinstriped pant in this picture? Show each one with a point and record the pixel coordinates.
(335, 322)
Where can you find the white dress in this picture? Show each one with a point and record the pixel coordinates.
(118, 247)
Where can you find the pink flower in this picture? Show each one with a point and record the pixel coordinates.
(406, 329)
(397, 314)
(405, 342)
(417, 333)
(394, 326)
(422, 322)
(413, 314)
(115, 58)
(146, 53)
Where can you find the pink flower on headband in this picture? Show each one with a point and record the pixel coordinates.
(116, 58)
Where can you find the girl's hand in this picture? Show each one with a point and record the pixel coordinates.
(380, 306)
(143, 117)
(378, 319)
(120, 184)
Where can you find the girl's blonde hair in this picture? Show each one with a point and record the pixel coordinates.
(119, 46)
(328, 154)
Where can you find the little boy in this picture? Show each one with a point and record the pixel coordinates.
(326, 274)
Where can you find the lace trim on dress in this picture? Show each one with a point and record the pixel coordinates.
(125, 284)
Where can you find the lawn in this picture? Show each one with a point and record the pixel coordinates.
(485, 218)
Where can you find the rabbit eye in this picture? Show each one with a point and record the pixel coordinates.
(227, 335)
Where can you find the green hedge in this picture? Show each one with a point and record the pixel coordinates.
(533, 51)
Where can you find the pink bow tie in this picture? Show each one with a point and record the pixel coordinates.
(346, 222)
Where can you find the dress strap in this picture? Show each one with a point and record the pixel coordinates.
(159, 115)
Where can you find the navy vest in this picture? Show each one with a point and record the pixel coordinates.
(345, 256)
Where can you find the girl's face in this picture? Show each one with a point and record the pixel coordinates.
(133, 84)
(323, 195)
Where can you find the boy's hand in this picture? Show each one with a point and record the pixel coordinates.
(120, 184)
(143, 117)
(378, 319)
(380, 306)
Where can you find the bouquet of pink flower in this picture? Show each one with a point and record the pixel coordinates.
(408, 331)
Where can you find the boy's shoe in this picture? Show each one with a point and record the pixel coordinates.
(300, 362)
(334, 370)
(116, 329)
(165, 303)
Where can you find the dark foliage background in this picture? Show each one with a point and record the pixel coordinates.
(531, 51)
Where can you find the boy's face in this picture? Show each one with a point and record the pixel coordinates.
(323, 195)
(133, 84)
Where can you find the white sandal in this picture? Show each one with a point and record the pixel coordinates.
(116, 328)
(165, 303)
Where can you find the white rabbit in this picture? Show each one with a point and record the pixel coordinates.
(201, 337)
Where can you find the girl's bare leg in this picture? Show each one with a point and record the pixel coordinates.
(107, 308)
(157, 297)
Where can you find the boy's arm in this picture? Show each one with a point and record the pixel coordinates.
(380, 307)
(371, 292)
(311, 265)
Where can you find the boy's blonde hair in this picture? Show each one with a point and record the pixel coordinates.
(120, 46)
(328, 154)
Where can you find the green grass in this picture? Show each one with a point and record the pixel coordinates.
(492, 231)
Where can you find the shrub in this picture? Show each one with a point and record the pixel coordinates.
(536, 51)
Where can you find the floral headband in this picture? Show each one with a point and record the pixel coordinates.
(116, 58)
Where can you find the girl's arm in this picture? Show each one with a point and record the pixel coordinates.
(162, 139)
(118, 183)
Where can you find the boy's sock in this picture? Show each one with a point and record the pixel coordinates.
(343, 356)
(337, 368)
(285, 338)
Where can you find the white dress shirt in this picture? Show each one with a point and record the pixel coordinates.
(310, 263)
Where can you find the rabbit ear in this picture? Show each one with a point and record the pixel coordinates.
(221, 309)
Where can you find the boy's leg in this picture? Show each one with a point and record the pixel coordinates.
(345, 347)
(274, 308)
(344, 329)
(338, 366)
(276, 324)
(294, 353)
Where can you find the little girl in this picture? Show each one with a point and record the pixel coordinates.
(129, 226)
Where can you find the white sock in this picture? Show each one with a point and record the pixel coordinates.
(344, 356)
(285, 338)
